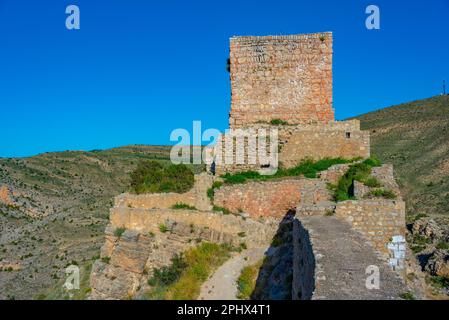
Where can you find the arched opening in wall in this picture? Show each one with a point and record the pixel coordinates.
(348, 135)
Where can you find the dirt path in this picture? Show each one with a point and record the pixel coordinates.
(222, 285)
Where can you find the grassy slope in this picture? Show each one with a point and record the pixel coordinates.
(415, 138)
(71, 193)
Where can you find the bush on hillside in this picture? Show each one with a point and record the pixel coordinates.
(153, 177)
(358, 171)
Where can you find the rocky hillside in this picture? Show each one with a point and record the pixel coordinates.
(415, 138)
(53, 211)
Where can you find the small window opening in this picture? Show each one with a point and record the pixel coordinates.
(348, 135)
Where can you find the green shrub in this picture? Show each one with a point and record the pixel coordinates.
(442, 245)
(211, 190)
(246, 283)
(407, 296)
(181, 205)
(384, 193)
(417, 248)
(163, 228)
(168, 274)
(373, 161)
(119, 231)
(153, 177)
(420, 216)
(440, 282)
(105, 259)
(241, 177)
(420, 240)
(182, 280)
(221, 209)
(278, 122)
(358, 171)
(307, 168)
(371, 182)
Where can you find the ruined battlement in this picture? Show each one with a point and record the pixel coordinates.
(281, 77)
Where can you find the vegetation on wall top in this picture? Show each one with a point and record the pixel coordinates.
(154, 177)
(307, 168)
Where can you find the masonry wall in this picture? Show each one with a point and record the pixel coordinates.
(304, 278)
(325, 142)
(295, 143)
(281, 77)
(196, 197)
(378, 220)
(270, 198)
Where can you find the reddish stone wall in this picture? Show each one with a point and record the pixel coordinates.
(270, 198)
(281, 77)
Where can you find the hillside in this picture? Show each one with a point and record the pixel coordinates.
(415, 138)
(53, 211)
(54, 206)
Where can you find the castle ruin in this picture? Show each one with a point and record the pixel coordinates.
(283, 82)
(286, 82)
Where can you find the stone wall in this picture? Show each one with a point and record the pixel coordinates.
(379, 220)
(196, 197)
(304, 280)
(316, 141)
(281, 77)
(144, 221)
(327, 141)
(271, 198)
(330, 262)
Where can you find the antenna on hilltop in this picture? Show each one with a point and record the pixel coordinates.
(444, 87)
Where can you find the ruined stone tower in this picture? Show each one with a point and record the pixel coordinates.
(281, 77)
(285, 82)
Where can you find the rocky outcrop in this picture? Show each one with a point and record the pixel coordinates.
(438, 263)
(152, 237)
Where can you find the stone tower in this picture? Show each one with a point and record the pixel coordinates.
(281, 77)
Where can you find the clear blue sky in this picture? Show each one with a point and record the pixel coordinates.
(138, 69)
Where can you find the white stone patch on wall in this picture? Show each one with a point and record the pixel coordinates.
(397, 250)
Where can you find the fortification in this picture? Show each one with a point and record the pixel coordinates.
(330, 244)
(285, 83)
(281, 77)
